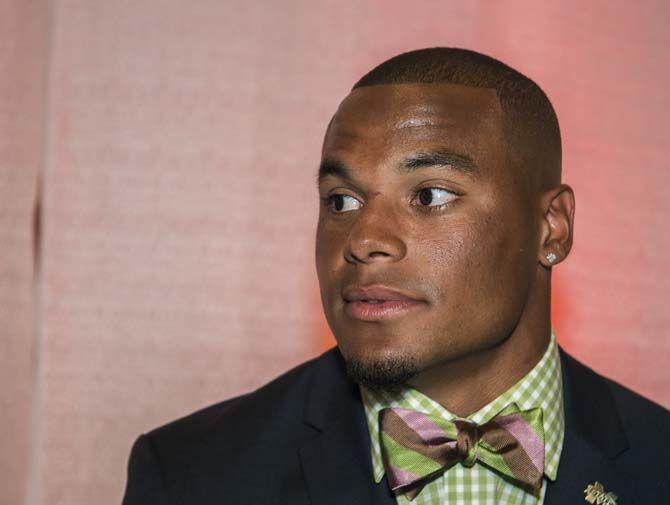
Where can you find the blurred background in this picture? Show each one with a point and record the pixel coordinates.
(158, 204)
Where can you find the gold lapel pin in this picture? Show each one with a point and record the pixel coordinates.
(595, 493)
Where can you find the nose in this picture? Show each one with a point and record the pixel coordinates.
(375, 236)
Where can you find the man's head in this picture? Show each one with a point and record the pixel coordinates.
(440, 179)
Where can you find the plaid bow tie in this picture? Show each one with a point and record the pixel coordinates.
(417, 447)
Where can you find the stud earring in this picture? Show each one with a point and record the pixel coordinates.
(551, 257)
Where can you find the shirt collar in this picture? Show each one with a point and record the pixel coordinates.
(540, 387)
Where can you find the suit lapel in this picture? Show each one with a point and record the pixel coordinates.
(594, 437)
(337, 469)
(336, 461)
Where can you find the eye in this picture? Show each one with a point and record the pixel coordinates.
(435, 197)
(341, 203)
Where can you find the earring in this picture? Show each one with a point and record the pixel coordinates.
(551, 257)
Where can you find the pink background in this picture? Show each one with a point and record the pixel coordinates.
(169, 148)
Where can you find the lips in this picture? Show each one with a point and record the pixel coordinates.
(374, 303)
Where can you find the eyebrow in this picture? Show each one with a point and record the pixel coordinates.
(439, 158)
(422, 159)
(332, 167)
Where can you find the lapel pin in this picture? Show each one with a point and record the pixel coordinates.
(595, 493)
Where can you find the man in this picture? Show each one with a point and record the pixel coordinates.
(442, 215)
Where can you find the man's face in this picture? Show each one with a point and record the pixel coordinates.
(421, 196)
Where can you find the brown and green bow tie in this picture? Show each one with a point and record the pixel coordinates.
(417, 447)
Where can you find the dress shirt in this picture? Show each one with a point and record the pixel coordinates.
(478, 484)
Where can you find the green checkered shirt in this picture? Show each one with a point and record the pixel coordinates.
(478, 485)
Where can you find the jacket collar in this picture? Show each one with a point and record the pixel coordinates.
(336, 459)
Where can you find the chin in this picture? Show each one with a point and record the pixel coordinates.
(380, 367)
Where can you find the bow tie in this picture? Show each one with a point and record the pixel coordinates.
(417, 447)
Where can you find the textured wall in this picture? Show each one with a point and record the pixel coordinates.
(179, 202)
(23, 42)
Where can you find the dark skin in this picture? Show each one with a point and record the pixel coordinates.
(472, 249)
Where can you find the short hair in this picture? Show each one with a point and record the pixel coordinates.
(529, 120)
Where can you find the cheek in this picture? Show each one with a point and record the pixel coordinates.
(328, 252)
(470, 263)
(442, 256)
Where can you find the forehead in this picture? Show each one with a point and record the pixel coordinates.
(403, 115)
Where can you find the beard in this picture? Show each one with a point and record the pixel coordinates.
(387, 373)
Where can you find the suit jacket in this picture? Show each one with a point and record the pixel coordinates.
(302, 439)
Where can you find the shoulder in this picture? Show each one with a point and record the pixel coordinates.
(632, 407)
(635, 410)
(277, 404)
(643, 419)
(646, 423)
(209, 455)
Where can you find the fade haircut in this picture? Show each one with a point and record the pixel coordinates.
(529, 120)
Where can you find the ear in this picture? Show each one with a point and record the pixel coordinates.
(558, 207)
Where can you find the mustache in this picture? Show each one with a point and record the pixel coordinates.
(421, 286)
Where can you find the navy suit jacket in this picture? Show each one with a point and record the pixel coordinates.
(302, 439)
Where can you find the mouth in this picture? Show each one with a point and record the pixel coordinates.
(375, 303)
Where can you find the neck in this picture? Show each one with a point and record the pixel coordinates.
(466, 384)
